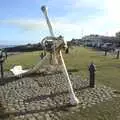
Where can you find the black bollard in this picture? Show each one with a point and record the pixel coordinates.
(6, 55)
(2, 73)
(105, 52)
(1, 68)
(41, 55)
(3, 56)
(118, 54)
(67, 51)
(92, 70)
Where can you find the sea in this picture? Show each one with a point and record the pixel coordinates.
(6, 46)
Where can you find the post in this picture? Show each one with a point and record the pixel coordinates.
(67, 51)
(6, 55)
(118, 54)
(1, 68)
(105, 52)
(41, 55)
(3, 57)
(1, 64)
(92, 70)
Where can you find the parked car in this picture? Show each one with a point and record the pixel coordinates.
(107, 46)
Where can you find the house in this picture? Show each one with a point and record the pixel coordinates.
(77, 42)
(98, 40)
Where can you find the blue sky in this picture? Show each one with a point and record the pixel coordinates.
(21, 21)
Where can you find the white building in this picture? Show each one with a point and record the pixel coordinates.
(97, 40)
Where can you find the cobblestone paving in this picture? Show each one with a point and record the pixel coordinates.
(47, 97)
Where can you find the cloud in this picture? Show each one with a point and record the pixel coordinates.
(87, 4)
(105, 23)
(60, 26)
(25, 23)
(112, 9)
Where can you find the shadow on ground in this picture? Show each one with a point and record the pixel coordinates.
(2, 112)
(12, 78)
(56, 109)
(9, 77)
(52, 95)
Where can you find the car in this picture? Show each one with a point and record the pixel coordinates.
(107, 46)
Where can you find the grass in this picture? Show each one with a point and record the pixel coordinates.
(105, 111)
(108, 69)
(108, 73)
(27, 60)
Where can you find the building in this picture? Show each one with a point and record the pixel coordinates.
(97, 40)
(77, 42)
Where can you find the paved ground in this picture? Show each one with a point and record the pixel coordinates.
(46, 97)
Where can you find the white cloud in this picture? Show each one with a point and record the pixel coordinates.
(25, 23)
(88, 3)
(112, 8)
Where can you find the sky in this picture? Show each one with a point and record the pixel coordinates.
(22, 21)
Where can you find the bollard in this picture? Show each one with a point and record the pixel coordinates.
(3, 56)
(92, 70)
(105, 52)
(41, 55)
(118, 54)
(6, 55)
(1, 68)
(67, 51)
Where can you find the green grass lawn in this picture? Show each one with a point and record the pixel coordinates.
(27, 60)
(108, 68)
(108, 73)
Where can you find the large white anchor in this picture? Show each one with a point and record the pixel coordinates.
(73, 98)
